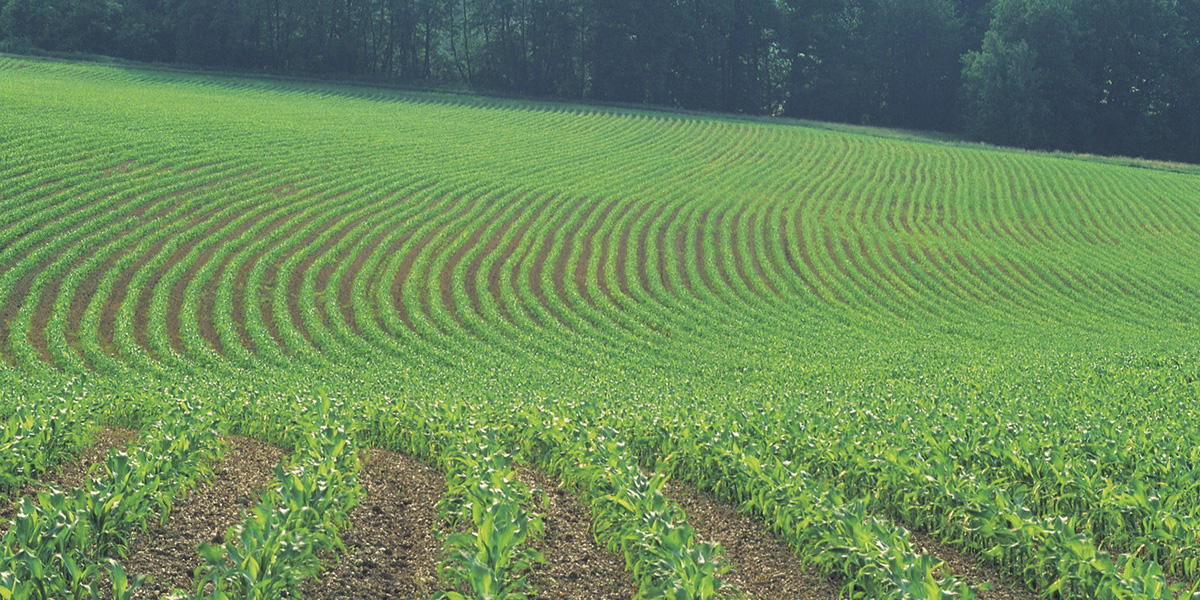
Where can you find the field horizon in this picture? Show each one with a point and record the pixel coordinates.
(991, 350)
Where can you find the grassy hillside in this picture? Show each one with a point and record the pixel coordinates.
(920, 326)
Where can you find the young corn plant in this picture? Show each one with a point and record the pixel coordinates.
(61, 543)
(282, 539)
(630, 512)
(44, 554)
(490, 554)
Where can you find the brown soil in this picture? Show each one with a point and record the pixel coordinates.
(265, 301)
(542, 256)
(495, 273)
(618, 266)
(639, 254)
(43, 311)
(116, 296)
(325, 273)
(764, 567)
(295, 279)
(825, 290)
(82, 296)
(393, 552)
(410, 224)
(21, 289)
(141, 309)
(939, 263)
(677, 250)
(559, 273)
(120, 288)
(972, 570)
(167, 553)
(576, 566)
(642, 249)
(492, 245)
(702, 267)
(238, 301)
(585, 256)
(118, 169)
(446, 273)
(69, 475)
(758, 261)
(206, 314)
(410, 258)
(346, 283)
(206, 319)
(721, 222)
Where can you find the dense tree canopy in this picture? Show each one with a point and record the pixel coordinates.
(1109, 76)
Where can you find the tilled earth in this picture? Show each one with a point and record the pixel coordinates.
(971, 569)
(392, 549)
(70, 475)
(576, 568)
(764, 567)
(167, 553)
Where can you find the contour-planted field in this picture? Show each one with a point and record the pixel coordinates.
(511, 323)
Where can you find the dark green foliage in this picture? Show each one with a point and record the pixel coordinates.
(1108, 77)
(1002, 94)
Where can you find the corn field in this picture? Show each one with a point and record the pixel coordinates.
(848, 334)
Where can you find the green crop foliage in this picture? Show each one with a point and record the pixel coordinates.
(849, 334)
(282, 539)
(60, 543)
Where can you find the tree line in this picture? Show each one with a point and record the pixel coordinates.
(1105, 76)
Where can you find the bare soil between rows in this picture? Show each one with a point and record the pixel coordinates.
(393, 551)
(167, 553)
(577, 568)
(70, 475)
(764, 567)
(972, 569)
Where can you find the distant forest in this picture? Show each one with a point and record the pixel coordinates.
(1104, 76)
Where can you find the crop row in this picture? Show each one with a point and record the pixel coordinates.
(63, 544)
(847, 334)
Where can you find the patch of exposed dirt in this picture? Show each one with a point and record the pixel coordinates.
(496, 275)
(167, 553)
(971, 569)
(663, 252)
(410, 258)
(407, 227)
(388, 204)
(542, 255)
(584, 210)
(764, 567)
(445, 278)
(333, 220)
(490, 246)
(393, 552)
(605, 249)
(585, 255)
(623, 248)
(760, 262)
(577, 568)
(279, 219)
(69, 475)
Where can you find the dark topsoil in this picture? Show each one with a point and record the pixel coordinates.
(576, 566)
(764, 567)
(167, 553)
(70, 475)
(392, 550)
(971, 569)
